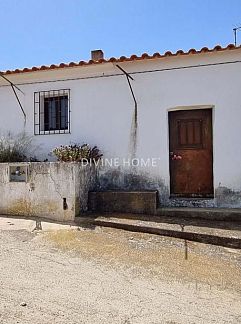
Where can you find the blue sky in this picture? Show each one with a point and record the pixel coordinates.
(43, 32)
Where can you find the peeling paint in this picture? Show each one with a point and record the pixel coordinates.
(226, 197)
(19, 207)
(49, 183)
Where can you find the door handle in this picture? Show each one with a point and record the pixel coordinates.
(175, 157)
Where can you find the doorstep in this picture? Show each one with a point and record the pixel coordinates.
(222, 233)
(226, 214)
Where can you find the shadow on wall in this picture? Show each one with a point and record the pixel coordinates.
(131, 179)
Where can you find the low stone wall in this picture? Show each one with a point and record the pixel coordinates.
(51, 190)
(140, 202)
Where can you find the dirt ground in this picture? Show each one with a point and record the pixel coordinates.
(64, 275)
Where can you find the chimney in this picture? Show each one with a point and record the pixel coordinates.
(96, 55)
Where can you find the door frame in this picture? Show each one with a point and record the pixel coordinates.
(188, 108)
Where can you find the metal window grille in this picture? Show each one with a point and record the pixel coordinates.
(52, 112)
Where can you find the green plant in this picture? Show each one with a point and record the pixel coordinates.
(15, 148)
(77, 153)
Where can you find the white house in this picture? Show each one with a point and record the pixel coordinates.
(181, 136)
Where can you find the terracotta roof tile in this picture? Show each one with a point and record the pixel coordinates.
(133, 57)
(179, 52)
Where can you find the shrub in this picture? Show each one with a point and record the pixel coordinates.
(77, 153)
(15, 148)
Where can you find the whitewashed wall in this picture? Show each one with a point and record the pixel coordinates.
(102, 108)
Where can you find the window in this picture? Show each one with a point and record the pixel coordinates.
(52, 112)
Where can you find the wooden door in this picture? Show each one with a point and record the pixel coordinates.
(191, 153)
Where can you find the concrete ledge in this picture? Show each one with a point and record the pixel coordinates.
(221, 233)
(141, 202)
(230, 242)
(230, 214)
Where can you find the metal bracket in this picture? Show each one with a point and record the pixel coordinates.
(13, 86)
(128, 77)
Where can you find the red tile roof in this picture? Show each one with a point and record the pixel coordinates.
(123, 59)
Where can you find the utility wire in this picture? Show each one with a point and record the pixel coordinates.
(130, 73)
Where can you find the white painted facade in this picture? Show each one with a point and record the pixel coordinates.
(102, 107)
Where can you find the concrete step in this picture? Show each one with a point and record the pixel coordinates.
(228, 214)
(222, 233)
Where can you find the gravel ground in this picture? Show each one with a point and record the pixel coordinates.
(112, 276)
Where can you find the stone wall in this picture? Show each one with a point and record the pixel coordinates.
(51, 190)
(131, 179)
